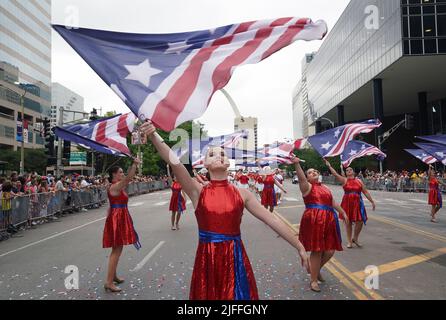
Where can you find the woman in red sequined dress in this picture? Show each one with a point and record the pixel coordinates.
(177, 201)
(319, 231)
(435, 199)
(352, 202)
(118, 230)
(222, 270)
(269, 196)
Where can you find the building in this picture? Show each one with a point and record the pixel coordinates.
(249, 124)
(383, 59)
(72, 103)
(303, 113)
(25, 64)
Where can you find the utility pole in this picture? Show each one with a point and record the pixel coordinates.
(59, 145)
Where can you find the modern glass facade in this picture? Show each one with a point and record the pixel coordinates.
(352, 54)
(424, 26)
(25, 57)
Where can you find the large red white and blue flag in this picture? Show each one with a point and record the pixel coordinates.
(438, 151)
(333, 142)
(170, 78)
(422, 155)
(107, 135)
(357, 149)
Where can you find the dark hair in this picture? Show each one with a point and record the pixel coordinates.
(112, 171)
(7, 186)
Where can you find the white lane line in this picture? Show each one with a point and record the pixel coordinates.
(147, 257)
(136, 204)
(162, 203)
(189, 202)
(292, 199)
(51, 237)
(418, 200)
(397, 201)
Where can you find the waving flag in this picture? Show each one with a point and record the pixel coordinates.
(422, 155)
(437, 151)
(104, 135)
(170, 78)
(440, 139)
(357, 149)
(332, 143)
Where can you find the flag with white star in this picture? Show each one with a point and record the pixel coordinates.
(170, 78)
(332, 143)
(438, 151)
(422, 155)
(357, 149)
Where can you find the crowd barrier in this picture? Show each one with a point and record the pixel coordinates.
(23, 210)
(392, 185)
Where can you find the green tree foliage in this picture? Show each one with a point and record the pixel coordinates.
(35, 160)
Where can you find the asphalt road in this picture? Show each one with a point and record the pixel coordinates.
(408, 250)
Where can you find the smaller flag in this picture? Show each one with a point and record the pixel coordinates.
(422, 155)
(356, 149)
(107, 135)
(440, 139)
(438, 151)
(333, 142)
(300, 144)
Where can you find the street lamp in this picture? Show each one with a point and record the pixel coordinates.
(22, 104)
(326, 119)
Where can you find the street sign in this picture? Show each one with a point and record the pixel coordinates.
(78, 158)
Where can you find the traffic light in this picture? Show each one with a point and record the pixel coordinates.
(49, 138)
(66, 149)
(409, 122)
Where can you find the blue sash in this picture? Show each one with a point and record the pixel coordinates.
(241, 280)
(328, 208)
(180, 207)
(361, 202)
(137, 244)
(439, 197)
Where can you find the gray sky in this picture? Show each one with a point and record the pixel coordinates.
(263, 90)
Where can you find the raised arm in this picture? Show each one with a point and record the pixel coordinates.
(281, 187)
(304, 185)
(284, 231)
(169, 176)
(342, 180)
(116, 189)
(189, 185)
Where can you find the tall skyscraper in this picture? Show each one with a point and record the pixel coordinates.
(249, 124)
(25, 64)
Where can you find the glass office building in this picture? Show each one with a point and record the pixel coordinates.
(25, 64)
(382, 59)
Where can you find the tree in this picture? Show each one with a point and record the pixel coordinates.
(35, 160)
(109, 114)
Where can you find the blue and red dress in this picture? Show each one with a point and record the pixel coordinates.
(352, 202)
(177, 202)
(222, 270)
(119, 229)
(268, 194)
(435, 197)
(319, 226)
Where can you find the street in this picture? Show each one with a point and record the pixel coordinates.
(409, 251)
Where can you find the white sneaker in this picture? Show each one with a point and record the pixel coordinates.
(84, 210)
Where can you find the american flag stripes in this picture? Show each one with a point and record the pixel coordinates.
(422, 155)
(332, 143)
(170, 78)
(357, 149)
(437, 151)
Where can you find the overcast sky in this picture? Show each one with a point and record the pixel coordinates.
(263, 90)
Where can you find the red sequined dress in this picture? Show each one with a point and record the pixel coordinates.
(319, 226)
(268, 194)
(435, 197)
(222, 270)
(119, 229)
(352, 202)
(177, 202)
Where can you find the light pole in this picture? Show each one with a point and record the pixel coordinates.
(331, 122)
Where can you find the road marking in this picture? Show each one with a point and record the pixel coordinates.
(418, 200)
(397, 201)
(136, 204)
(289, 224)
(189, 202)
(290, 207)
(147, 257)
(162, 203)
(356, 292)
(291, 199)
(355, 280)
(51, 237)
(409, 228)
(404, 263)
